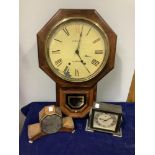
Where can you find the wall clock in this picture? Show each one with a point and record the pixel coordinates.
(76, 49)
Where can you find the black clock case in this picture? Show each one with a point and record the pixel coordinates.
(106, 108)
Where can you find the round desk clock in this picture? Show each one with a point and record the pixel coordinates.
(76, 49)
(50, 119)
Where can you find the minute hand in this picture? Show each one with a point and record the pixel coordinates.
(79, 42)
(77, 52)
(108, 119)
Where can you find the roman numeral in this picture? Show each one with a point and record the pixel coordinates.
(95, 62)
(58, 40)
(76, 72)
(66, 31)
(58, 62)
(95, 41)
(98, 51)
(88, 31)
(56, 52)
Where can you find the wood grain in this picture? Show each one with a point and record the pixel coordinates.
(62, 86)
(67, 13)
(131, 95)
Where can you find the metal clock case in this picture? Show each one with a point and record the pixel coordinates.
(50, 119)
(76, 48)
(105, 117)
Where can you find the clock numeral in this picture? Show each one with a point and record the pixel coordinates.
(98, 51)
(58, 62)
(95, 41)
(56, 52)
(58, 40)
(95, 62)
(66, 31)
(88, 31)
(76, 72)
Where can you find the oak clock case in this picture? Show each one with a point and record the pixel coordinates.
(76, 49)
(50, 121)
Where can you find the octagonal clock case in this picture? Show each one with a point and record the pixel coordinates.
(76, 48)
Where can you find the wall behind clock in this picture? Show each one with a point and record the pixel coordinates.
(35, 85)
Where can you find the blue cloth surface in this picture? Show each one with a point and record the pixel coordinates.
(81, 142)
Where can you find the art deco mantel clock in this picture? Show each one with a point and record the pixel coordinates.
(76, 49)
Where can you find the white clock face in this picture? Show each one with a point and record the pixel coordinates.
(77, 50)
(105, 121)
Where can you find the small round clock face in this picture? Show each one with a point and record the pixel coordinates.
(51, 124)
(105, 120)
(77, 50)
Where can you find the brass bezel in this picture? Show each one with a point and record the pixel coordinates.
(107, 48)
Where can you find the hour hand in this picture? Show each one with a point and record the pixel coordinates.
(108, 119)
(77, 52)
(102, 119)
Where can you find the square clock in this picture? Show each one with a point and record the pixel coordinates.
(105, 117)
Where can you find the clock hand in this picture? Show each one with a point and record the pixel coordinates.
(79, 42)
(77, 52)
(108, 119)
(104, 119)
(101, 119)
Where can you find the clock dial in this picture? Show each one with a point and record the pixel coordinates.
(51, 124)
(77, 50)
(105, 121)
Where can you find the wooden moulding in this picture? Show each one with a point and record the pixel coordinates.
(66, 13)
(68, 125)
(35, 132)
(49, 110)
(90, 99)
(131, 94)
(63, 86)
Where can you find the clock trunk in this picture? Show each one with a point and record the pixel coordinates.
(75, 101)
